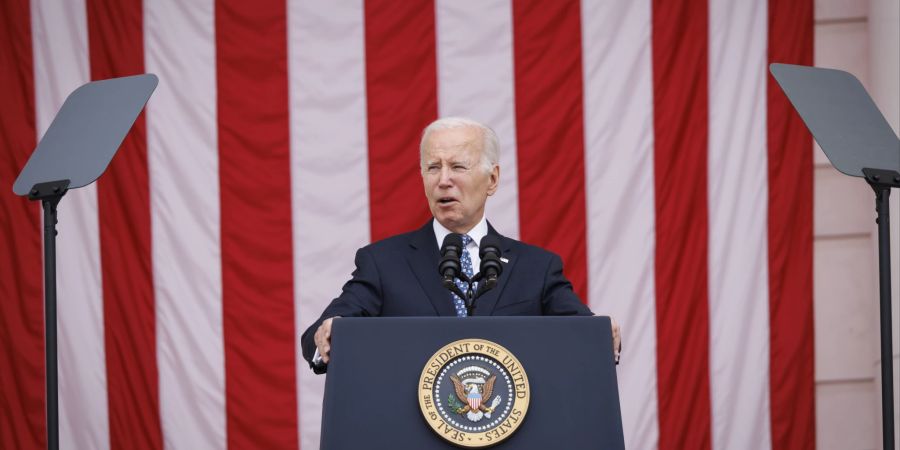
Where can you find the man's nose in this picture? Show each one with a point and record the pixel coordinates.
(446, 177)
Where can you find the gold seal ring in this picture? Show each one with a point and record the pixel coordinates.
(474, 393)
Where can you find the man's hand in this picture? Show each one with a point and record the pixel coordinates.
(323, 339)
(617, 339)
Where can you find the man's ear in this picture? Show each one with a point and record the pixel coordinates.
(494, 180)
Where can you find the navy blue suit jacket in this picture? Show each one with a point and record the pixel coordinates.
(398, 276)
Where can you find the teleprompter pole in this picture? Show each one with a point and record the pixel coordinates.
(882, 181)
(50, 194)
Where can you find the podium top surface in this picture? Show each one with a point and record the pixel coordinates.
(86, 132)
(842, 117)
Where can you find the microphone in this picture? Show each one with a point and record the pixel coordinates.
(450, 267)
(489, 251)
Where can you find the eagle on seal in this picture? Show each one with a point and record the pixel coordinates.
(472, 398)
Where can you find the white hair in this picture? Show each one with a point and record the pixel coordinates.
(490, 154)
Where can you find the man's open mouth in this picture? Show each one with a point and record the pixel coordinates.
(446, 200)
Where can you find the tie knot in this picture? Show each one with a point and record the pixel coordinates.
(466, 240)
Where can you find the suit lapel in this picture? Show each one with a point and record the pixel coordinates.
(484, 306)
(423, 258)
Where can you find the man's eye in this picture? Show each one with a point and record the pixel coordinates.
(433, 168)
(460, 167)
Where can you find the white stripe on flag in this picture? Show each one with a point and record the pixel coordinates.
(184, 181)
(475, 80)
(329, 169)
(616, 45)
(59, 34)
(738, 259)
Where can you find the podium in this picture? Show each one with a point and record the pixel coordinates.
(388, 374)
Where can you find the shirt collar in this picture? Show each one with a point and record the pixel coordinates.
(477, 232)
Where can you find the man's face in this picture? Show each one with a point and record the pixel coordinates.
(456, 183)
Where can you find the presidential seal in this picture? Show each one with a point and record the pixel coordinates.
(473, 393)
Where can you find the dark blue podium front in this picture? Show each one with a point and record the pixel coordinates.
(371, 387)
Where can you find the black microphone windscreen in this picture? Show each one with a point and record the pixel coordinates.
(452, 241)
(450, 266)
(489, 243)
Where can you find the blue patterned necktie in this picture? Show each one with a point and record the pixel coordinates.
(466, 262)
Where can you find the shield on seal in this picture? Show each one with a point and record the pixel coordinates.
(474, 398)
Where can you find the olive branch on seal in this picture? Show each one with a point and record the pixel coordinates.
(454, 404)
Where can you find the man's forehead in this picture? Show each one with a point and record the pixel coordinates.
(455, 152)
(453, 140)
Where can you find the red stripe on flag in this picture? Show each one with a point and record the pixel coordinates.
(256, 230)
(22, 412)
(550, 131)
(680, 117)
(401, 95)
(116, 44)
(791, 339)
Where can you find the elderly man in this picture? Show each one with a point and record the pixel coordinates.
(398, 276)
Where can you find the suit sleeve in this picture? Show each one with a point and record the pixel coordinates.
(360, 297)
(558, 298)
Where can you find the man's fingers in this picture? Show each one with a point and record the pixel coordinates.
(617, 334)
(322, 339)
(617, 339)
(323, 352)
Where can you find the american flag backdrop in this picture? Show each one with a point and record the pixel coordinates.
(642, 140)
